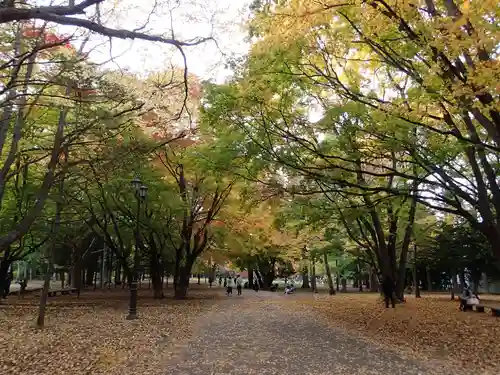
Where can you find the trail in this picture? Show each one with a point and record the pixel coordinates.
(258, 334)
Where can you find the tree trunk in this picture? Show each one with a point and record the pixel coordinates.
(337, 275)
(128, 276)
(268, 279)
(182, 286)
(89, 276)
(260, 280)
(45, 292)
(118, 274)
(55, 230)
(250, 277)
(211, 275)
(416, 284)
(476, 279)
(429, 278)
(177, 266)
(157, 287)
(76, 270)
(305, 277)
(344, 285)
(454, 286)
(463, 283)
(95, 280)
(109, 267)
(359, 277)
(373, 280)
(4, 269)
(331, 287)
(156, 276)
(102, 275)
(403, 258)
(484, 282)
(313, 276)
(401, 272)
(199, 279)
(305, 271)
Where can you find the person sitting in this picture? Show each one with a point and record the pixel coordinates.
(464, 297)
(473, 300)
(23, 284)
(289, 289)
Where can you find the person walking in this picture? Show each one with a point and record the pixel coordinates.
(239, 283)
(230, 286)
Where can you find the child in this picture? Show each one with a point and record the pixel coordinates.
(230, 286)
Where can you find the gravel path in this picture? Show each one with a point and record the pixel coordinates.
(256, 334)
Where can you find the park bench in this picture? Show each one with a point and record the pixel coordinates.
(24, 291)
(480, 307)
(53, 293)
(495, 310)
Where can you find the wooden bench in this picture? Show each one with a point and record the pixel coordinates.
(480, 308)
(25, 291)
(53, 293)
(495, 310)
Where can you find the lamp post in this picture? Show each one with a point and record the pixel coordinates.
(140, 191)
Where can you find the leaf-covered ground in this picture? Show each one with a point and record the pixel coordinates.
(429, 327)
(90, 335)
(259, 333)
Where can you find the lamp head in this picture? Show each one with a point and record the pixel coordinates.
(143, 191)
(136, 183)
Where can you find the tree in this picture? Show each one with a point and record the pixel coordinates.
(375, 152)
(442, 108)
(56, 91)
(459, 250)
(256, 242)
(54, 130)
(200, 198)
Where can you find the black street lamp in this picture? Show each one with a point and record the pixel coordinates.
(140, 195)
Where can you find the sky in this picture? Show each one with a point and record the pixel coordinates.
(190, 18)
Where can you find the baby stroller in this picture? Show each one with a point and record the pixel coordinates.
(289, 289)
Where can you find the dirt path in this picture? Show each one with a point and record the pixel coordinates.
(256, 334)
